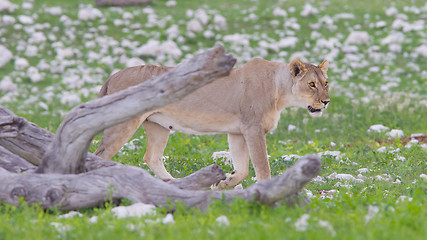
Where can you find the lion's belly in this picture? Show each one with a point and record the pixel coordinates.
(196, 124)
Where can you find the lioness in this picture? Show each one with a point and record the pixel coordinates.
(246, 105)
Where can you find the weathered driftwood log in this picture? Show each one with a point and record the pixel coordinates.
(67, 152)
(88, 189)
(29, 141)
(24, 138)
(14, 163)
(104, 3)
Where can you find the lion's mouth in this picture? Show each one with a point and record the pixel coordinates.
(313, 110)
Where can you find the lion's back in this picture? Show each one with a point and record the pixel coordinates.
(131, 76)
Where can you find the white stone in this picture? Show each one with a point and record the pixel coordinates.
(21, 63)
(89, 13)
(173, 31)
(380, 24)
(309, 10)
(202, 16)
(404, 198)
(292, 127)
(62, 53)
(358, 37)
(337, 154)
(391, 11)
(302, 223)
(61, 228)
(132, 62)
(6, 5)
(55, 11)
(240, 39)
(24, 19)
(31, 51)
(372, 212)
(395, 37)
(37, 37)
(194, 26)
(421, 50)
(288, 42)
(155, 48)
(6, 85)
(290, 157)
(27, 5)
(93, 219)
(223, 221)
(413, 135)
(363, 170)
(168, 219)
(135, 210)
(170, 48)
(278, 12)
(71, 214)
(224, 155)
(7, 20)
(171, 4)
(220, 22)
(127, 15)
(318, 180)
(378, 128)
(5, 55)
(208, 34)
(33, 74)
(395, 133)
(343, 176)
(70, 99)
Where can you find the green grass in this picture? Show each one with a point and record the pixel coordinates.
(357, 102)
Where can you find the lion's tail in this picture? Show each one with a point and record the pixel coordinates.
(104, 88)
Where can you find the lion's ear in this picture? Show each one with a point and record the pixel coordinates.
(297, 68)
(324, 67)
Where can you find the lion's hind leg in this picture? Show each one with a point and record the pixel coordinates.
(157, 138)
(115, 137)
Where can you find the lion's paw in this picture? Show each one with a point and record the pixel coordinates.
(226, 183)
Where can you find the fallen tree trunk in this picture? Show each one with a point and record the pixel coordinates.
(71, 191)
(106, 3)
(29, 141)
(24, 138)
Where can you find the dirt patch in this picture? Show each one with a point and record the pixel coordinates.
(404, 140)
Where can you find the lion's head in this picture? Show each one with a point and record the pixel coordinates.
(310, 85)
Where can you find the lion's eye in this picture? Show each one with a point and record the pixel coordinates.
(312, 84)
(326, 84)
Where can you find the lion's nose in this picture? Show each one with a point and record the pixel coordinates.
(325, 102)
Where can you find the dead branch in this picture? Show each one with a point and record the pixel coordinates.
(71, 191)
(106, 3)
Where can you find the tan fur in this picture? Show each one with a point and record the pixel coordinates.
(246, 105)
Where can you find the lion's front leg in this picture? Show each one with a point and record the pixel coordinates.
(240, 156)
(255, 139)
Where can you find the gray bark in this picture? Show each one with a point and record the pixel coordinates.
(104, 3)
(16, 133)
(71, 191)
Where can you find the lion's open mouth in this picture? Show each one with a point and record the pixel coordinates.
(313, 110)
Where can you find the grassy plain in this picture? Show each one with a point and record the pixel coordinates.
(372, 84)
